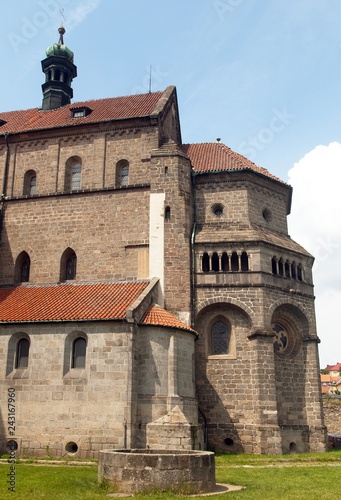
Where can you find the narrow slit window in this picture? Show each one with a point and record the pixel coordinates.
(23, 348)
(68, 265)
(25, 271)
(124, 175)
(76, 177)
(79, 353)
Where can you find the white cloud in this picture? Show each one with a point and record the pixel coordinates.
(314, 223)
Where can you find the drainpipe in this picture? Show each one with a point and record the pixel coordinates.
(206, 429)
(4, 183)
(125, 433)
(194, 228)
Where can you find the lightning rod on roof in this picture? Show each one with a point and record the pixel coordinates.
(62, 14)
(150, 79)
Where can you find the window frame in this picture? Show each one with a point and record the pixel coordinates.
(68, 262)
(122, 173)
(215, 349)
(22, 258)
(73, 178)
(29, 189)
(231, 347)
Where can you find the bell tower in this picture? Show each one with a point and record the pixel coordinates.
(59, 72)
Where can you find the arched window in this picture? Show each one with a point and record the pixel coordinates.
(234, 262)
(167, 213)
(33, 185)
(30, 183)
(293, 270)
(274, 265)
(76, 177)
(68, 265)
(22, 268)
(205, 263)
(220, 338)
(23, 347)
(299, 272)
(244, 260)
(78, 353)
(287, 269)
(73, 174)
(122, 173)
(25, 270)
(280, 267)
(215, 262)
(224, 262)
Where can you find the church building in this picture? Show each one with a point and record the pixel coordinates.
(150, 295)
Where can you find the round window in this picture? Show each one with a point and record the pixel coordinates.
(218, 209)
(266, 215)
(286, 343)
(281, 340)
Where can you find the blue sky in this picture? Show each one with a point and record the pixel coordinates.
(262, 75)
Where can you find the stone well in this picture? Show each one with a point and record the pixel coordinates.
(143, 470)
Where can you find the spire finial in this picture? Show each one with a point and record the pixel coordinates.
(61, 32)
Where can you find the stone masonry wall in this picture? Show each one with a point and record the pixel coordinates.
(332, 415)
(99, 238)
(165, 376)
(56, 404)
(100, 148)
(171, 174)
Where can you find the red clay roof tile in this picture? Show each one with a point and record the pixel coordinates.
(331, 368)
(115, 108)
(217, 157)
(156, 315)
(68, 302)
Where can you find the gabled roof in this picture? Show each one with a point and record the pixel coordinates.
(157, 316)
(102, 110)
(209, 157)
(68, 302)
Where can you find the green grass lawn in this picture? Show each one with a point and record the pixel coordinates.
(313, 477)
